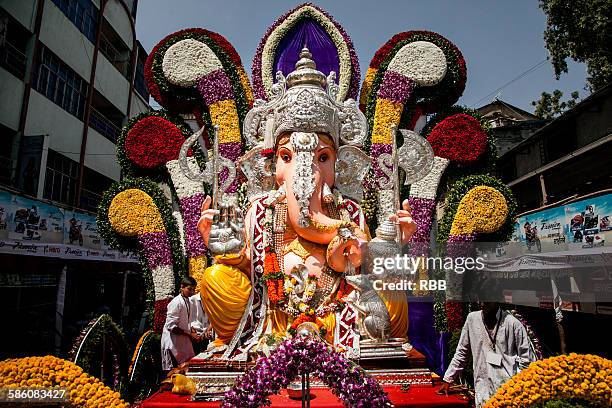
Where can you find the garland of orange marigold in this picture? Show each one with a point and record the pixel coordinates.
(82, 389)
(575, 376)
(273, 277)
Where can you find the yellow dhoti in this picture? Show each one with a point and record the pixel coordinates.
(397, 305)
(225, 291)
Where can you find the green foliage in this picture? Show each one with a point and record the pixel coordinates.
(146, 371)
(461, 188)
(550, 106)
(580, 30)
(100, 342)
(564, 403)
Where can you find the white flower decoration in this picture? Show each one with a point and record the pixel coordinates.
(163, 282)
(428, 185)
(421, 61)
(183, 185)
(386, 204)
(187, 61)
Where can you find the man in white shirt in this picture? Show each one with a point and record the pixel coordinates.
(199, 323)
(499, 346)
(177, 336)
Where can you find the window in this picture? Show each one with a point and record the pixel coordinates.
(61, 178)
(82, 13)
(14, 40)
(94, 184)
(139, 81)
(60, 84)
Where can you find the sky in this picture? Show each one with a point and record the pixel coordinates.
(501, 41)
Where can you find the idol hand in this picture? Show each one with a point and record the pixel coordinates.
(226, 234)
(407, 225)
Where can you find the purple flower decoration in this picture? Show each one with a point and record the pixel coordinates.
(395, 87)
(305, 355)
(230, 151)
(422, 210)
(156, 248)
(190, 208)
(376, 150)
(215, 87)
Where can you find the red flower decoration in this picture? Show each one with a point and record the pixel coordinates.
(459, 138)
(152, 142)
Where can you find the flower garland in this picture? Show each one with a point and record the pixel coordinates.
(184, 100)
(581, 376)
(459, 138)
(160, 278)
(149, 140)
(482, 210)
(431, 98)
(137, 351)
(83, 390)
(349, 75)
(273, 277)
(460, 189)
(300, 304)
(305, 355)
(188, 60)
(144, 367)
(534, 341)
(88, 344)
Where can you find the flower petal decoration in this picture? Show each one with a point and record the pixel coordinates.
(583, 377)
(330, 45)
(421, 61)
(82, 389)
(459, 138)
(487, 228)
(483, 210)
(149, 140)
(172, 78)
(305, 354)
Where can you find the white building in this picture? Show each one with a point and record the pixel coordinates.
(71, 75)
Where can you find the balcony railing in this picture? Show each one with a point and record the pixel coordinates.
(114, 56)
(13, 60)
(103, 125)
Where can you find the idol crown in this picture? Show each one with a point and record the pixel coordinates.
(305, 101)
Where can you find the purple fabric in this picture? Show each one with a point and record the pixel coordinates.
(215, 87)
(156, 248)
(423, 335)
(231, 151)
(309, 33)
(395, 87)
(190, 208)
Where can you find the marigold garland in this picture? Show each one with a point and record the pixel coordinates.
(83, 390)
(581, 376)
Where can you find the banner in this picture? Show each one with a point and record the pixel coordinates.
(31, 227)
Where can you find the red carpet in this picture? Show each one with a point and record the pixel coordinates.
(416, 397)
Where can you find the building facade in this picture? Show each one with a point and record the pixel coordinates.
(566, 159)
(72, 74)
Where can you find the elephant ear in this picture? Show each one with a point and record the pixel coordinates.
(306, 26)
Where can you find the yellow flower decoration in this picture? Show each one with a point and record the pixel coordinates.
(223, 113)
(482, 210)
(244, 80)
(581, 376)
(367, 85)
(132, 212)
(387, 113)
(82, 389)
(197, 266)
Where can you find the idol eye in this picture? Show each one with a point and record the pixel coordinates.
(286, 157)
(323, 158)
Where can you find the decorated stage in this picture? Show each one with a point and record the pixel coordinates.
(323, 398)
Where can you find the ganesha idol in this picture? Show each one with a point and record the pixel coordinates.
(284, 264)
